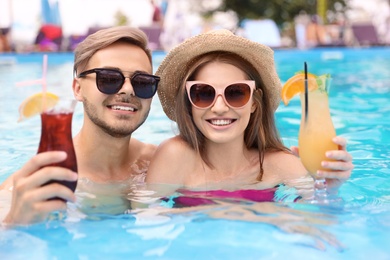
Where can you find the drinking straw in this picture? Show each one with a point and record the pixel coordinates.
(306, 93)
(44, 70)
(42, 81)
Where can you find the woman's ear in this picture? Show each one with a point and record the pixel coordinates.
(257, 92)
(253, 108)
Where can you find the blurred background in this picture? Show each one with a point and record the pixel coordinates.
(59, 25)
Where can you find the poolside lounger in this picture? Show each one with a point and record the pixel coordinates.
(153, 32)
(366, 34)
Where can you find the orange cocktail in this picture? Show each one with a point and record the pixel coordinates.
(316, 130)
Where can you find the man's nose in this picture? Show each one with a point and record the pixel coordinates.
(127, 87)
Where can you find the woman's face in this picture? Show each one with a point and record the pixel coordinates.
(221, 123)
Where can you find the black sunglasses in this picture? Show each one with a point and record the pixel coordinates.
(110, 81)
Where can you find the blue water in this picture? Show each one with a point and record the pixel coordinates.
(359, 102)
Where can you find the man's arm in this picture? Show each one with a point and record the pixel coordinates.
(29, 203)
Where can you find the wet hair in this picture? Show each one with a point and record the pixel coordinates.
(261, 132)
(105, 37)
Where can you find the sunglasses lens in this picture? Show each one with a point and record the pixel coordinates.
(202, 95)
(237, 95)
(144, 85)
(109, 81)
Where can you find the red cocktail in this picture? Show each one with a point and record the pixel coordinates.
(56, 135)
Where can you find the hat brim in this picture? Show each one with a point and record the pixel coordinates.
(178, 61)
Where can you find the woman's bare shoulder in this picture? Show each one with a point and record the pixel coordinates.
(285, 165)
(175, 145)
(176, 150)
(171, 161)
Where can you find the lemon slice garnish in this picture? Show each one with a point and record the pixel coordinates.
(36, 104)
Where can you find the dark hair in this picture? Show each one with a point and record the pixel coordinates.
(261, 132)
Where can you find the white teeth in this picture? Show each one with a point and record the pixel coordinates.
(221, 122)
(122, 108)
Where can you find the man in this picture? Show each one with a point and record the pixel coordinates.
(113, 80)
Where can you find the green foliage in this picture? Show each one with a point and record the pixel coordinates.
(280, 11)
(121, 19)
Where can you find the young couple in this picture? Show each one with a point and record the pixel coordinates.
(222, 90)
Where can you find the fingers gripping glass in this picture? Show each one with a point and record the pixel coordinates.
(110, 81)
(235, 95)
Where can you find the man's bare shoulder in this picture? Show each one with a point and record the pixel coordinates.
(144, 149)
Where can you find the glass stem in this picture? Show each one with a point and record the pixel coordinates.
(320, 191)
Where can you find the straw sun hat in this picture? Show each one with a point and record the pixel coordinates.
(178, 61)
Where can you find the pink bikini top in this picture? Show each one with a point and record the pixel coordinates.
(190, 198)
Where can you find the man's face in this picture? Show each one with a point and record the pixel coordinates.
(118, 114)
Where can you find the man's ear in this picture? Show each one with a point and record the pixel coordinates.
(77, 90)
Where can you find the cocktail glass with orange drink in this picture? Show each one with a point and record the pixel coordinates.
(316, 129)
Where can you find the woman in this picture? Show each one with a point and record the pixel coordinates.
(222, 90)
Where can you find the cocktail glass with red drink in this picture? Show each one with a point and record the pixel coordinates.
(56, 135)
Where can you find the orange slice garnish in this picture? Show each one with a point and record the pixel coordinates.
(294, 86)
(36, 104)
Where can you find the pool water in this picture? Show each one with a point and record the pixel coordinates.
(359, 103)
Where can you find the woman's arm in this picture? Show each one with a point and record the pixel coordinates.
(167, 163)
(168, 167)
